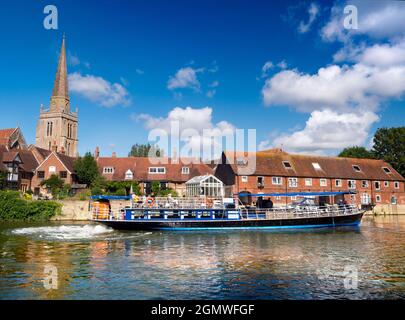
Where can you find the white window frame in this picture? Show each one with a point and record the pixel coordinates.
(396, 184)
(379, 185)
(129, 175)
(284, 162)
(356, 165)
(308, 182)
(352, 183)
(277, 181)
(293, 182)
(338, 185)
(185, 170)
(364, 185)
(155, 170)
(323, 182)
(389, 170)
(316, 166)
(386, 184)
(52, 169)
(108, 170)
(377, 198)
(244, 179)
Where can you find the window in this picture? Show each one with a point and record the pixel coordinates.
(292, 182)
(157, 170)
(41, 174)
(52, 169)
(63, 174)
(108, 170)
(323, 183)
(364, 184)
(241, 162)
(338, 182)
(393, 200)
(308, 182)
(316, 166)
(356, 168)
(377, 198)
(185, 170)
(386, 170)
(386, 184)
(244, 178)
(396, 185)
(351, 184)
(293, 198)
(129, 175)
(260, 181)
(287, 165)
(278, 198)
(365, 198)
(276, 180)
(377, 185)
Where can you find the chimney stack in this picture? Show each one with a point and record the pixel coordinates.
(97, 153)
(114, 155)
(62, 150)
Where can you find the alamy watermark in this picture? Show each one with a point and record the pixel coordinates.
(349, 276)
(50, 281)
(51, 20)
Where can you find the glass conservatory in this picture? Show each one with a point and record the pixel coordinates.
(207, 185)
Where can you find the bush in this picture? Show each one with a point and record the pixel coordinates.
(13, 207)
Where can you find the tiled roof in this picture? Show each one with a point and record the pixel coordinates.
(270, 163)
(140, 169)
(5, 135)
(29, 163)
(67, 161)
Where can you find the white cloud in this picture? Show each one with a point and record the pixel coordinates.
(139, 71)
(313, 12)
(185, 78)
(326, 130)
(376, 19)
(99, 90)
(187, 118)
(74, 60)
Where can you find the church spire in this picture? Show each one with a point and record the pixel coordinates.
(60, 93)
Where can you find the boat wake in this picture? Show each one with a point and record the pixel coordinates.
(64, 232)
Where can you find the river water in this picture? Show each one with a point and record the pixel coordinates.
(89, 261)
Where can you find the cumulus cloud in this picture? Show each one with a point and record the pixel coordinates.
(326, 130)
(199, 120)
(376, 19)
(98, 90)
(185, 78)
(313, 12)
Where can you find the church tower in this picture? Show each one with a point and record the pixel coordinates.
(57, 126)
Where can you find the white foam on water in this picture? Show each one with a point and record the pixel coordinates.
(64, 232)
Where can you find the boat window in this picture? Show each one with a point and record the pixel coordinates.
(316, 166)
(356, 168)
(287, 165)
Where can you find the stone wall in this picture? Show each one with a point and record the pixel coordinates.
(79, 210)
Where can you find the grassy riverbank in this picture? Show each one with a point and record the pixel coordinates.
(15, 208)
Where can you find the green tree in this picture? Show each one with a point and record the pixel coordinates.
(3, 176)
(86, 169)
(54, 184)
(356, 152)
(389, 145)
(143, 150)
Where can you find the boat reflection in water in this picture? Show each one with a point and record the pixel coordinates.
(226, 213)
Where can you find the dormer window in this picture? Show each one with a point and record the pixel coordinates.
(386, 170)
(157, 170)
(241, 162)
(356, 168)
(287, 165)
(316, 166)
(185, 170)
(129, 175)
(108, 170)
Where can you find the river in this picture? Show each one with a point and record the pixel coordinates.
(87, 261)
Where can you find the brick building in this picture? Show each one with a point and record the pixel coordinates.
(374, 181)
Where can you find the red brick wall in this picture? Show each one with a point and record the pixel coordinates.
(385, 193)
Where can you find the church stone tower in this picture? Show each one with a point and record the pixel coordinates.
(57, 127)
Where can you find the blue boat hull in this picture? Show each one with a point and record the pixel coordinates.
(219, 224)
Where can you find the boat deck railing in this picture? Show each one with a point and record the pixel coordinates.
(191, 212)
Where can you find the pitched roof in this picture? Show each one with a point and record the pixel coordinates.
(5, 135)
(270, 163)
(140, 168)
(29, 163)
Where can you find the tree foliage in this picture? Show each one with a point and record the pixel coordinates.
(389, 145)
(86, 169)
(3, 176)
(54, 184)
(144, 150)
(356, 152)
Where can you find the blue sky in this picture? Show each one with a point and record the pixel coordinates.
(154, 56)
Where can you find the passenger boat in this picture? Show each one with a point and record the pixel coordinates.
(226, 213)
